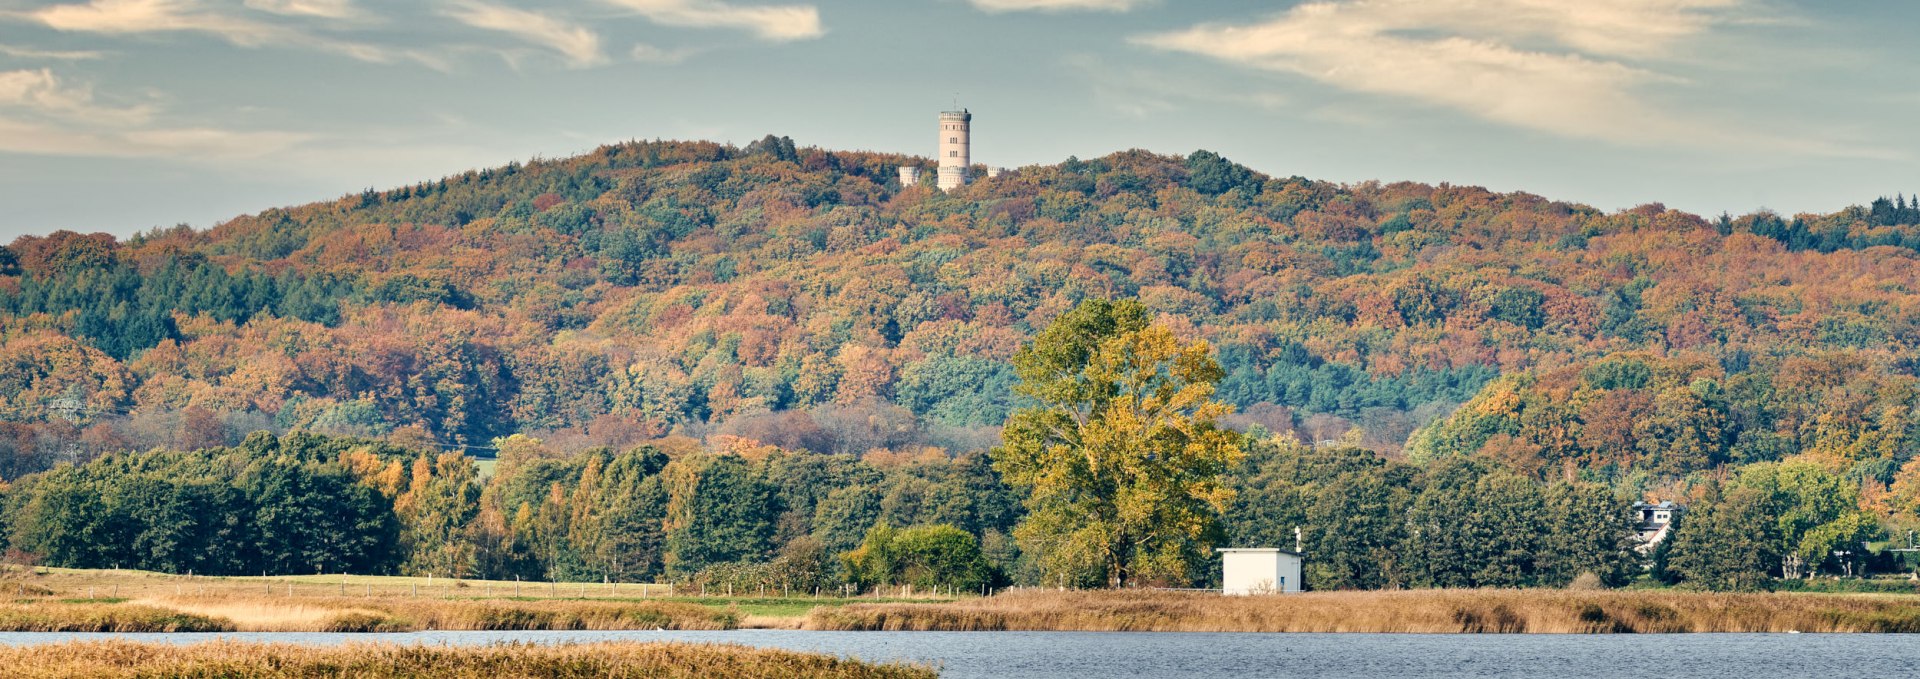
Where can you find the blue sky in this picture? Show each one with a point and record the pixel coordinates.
(121, 115)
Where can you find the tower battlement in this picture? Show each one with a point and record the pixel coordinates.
(956, 148)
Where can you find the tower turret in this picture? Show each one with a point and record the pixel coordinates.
(956, 153)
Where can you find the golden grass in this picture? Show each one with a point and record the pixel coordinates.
(1418, 611)
(51, 599)
(237, 660)
(393, 614)
(59, 616)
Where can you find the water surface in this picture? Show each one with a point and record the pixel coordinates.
(1049, 655)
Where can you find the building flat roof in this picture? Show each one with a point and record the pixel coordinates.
(1259, 550)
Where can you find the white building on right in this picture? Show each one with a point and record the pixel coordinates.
(1259, 570)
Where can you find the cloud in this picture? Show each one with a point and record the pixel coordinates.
(778, 23)
(40, 91)
(997, 6)
(150, 16)
(130, 17)
(578, 45)
(325, 9)
(193, 144)
(40, 114)
(61, 55)
(1559, 67)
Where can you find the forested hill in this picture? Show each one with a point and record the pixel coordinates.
(803, 298)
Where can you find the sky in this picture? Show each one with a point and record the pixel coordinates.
(125, 115)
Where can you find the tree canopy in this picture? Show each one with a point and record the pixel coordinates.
(1122, 456)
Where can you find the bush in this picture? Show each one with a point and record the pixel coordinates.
(926, 557)
(801, 567)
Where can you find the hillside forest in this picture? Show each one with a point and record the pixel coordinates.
(693, 360)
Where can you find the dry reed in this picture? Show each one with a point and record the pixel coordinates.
(1419, 611)
(352, 614)
(238, 660)
(55, 616)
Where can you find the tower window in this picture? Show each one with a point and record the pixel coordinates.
(953, 140)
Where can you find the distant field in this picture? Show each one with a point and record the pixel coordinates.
(61, 599)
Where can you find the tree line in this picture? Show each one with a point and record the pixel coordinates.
(1116, 473)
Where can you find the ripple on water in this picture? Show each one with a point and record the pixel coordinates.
(1046, 655)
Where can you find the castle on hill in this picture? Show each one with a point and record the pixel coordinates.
(955, 156)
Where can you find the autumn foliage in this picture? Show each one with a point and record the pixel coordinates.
(691, 295)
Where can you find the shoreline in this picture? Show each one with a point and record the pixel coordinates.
(1394, 612)
(136, 602)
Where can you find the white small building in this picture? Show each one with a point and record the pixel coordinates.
(1259, 570)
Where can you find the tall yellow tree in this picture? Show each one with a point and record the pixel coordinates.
(1121, 455)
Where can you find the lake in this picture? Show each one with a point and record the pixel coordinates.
(1007, 655)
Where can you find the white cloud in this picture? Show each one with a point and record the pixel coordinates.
(61, 55)
(1057, 5)
(129, 17)
(580, 46)
(40, 91)
(1562, 67)
(40, 114)
(325, 9)
(191, 144)
(151, 16)
(779, 23)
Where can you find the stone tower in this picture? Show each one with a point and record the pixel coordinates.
(955, 148)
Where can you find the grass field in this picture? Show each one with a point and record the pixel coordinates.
(1418, 611)
(58, 599)
(235, 660)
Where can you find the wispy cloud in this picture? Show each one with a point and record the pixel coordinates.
(19, 52)
(1057, 5)
(153, 16)
(577, 44)
(41, 114)
(779, 23)
(325, 9)
(40, 91)
(1565, 68)
(130, 17)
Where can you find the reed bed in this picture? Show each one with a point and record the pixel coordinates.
(352, 614)
(1418, 611)
(58, 616)
(238, 660)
